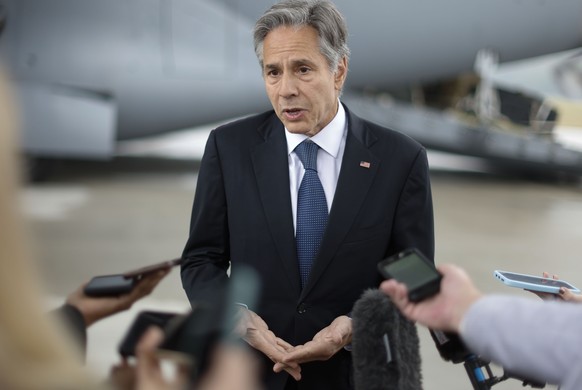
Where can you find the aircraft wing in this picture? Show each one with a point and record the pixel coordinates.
(445, 132)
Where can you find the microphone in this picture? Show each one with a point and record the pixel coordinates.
(385, 346)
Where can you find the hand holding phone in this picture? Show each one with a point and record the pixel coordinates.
(141, 323)
(533, 283)
(413, 269)
(96, 308)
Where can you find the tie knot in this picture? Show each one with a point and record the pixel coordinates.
(307, 153)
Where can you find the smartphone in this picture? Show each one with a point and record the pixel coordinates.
(413, 269)
(534, 283)
(119, 284)
(109, 285)
(141, 323)
(191, 338)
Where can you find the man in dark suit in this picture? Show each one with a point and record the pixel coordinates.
(315, 243)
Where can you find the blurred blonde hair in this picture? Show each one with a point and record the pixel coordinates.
(35, 352)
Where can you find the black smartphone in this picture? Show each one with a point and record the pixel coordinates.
(142, 322)
(109, 285)
(119, 284)
(413, 269)
(191, 338)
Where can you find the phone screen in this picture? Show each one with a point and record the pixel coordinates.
(412, 270)
(536, 280)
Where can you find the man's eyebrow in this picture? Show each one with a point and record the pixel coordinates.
(294, 63)
(303, 61)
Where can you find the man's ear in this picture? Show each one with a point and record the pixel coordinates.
(341, 73)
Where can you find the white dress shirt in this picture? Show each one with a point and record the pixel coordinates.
(332, 142)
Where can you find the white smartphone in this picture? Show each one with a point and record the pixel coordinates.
(534, 283)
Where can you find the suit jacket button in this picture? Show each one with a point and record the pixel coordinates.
(302, 308)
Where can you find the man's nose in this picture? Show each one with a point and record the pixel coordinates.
(288, 86)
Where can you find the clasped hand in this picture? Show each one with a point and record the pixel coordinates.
(326, 343)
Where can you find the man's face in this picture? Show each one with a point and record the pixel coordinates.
(299, 83)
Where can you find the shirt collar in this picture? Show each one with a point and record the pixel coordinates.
(329, 138)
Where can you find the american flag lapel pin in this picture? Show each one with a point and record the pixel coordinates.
(365, 164)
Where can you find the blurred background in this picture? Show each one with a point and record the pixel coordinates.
(117, 99)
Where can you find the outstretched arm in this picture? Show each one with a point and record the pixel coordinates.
(94, 309)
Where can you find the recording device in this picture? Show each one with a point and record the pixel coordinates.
(142, 322)
(422, 280)
(385, 345)
(191, 338)
(413, 269)
(533, 283)
(119, 284)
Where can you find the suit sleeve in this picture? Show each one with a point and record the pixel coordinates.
(206, 254)
(539, 340)
(414, 223)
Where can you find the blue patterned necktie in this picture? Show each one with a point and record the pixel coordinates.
(311, 210)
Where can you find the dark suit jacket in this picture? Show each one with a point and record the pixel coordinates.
(242, 214)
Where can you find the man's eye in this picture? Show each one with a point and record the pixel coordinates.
(273, 73)
(304, 70)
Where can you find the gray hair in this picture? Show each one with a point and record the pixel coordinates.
(319, 14)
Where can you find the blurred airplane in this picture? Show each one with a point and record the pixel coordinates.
(90, 73)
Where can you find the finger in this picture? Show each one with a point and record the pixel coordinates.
(300, 355)
(148, 343)
(295, 372)
(396, 291)
(278, 367)
(150, 281)
(146, 285)
(566, 294)
(389, 287)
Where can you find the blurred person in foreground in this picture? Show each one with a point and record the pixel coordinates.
(36, 351)
(540, 340)
(308, 195)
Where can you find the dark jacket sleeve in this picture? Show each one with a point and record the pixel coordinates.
(207, 251)
(75, 323)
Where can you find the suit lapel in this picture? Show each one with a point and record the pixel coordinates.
(271, 166)
(353, 185)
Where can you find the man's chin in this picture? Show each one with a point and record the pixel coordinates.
(294, 128)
